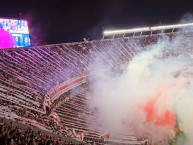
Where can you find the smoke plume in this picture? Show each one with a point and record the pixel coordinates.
(163, 72)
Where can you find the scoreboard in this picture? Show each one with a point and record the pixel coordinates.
(14, 33)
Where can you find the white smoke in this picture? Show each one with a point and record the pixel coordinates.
(165, 69)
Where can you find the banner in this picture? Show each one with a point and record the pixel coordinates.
(105, 136)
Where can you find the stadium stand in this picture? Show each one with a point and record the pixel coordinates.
(30, 76)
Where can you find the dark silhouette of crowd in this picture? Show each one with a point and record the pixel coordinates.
(14, 135)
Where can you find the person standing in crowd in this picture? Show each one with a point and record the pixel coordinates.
(5, 38)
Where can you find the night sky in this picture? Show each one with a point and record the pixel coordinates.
(57, 21)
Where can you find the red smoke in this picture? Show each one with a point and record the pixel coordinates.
(163, 117)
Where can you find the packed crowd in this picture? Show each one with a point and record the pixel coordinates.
(63, 98)
(29, 74)
(22, 112)
(15, 135)
(42, 68)
(15, 93)
(42, 119)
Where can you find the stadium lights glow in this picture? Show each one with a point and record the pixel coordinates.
(171, 26)
(144, 29)
(114, 32)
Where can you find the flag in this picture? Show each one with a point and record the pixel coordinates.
(55, 117)
(66, 128)
(80, 136)
(72, 133)
(105, 136)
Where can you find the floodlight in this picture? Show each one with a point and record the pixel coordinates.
(114, 32)
(145, 29)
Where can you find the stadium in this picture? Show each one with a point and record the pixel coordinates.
(50, 86)
(128, 87)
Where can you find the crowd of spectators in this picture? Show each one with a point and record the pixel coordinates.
(63, 98)
(44, 119)
(15, 135)
(29, 74)
(23, 112)
(148, 40)
(41, 68)
(13, 92)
